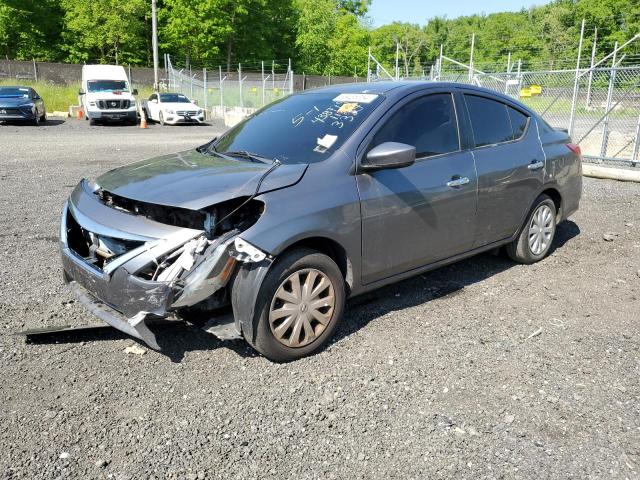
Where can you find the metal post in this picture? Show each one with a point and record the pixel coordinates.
(262, 78)
(574, 100)
(273, 74)
(519, 76)
(240, 83)
(206, 92)
(440, 61)
(636, 145)
(509, 63)
(593, 59)
(154, 41)
(397, 56)
(369, 66)
(221, 89)
(35, 70)
(473, 41)
(291, 82)
(130, 78)
(605, 123)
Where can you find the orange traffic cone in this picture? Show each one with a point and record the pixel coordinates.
(143, 119)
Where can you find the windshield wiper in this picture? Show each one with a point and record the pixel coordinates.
(250, 155)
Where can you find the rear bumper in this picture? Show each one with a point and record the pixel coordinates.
(116, 292)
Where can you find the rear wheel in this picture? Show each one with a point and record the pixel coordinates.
(536, 237)
(300, 305)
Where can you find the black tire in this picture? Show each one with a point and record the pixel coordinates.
(299, 260)
(520, 249)
(93, 122)
(43, 117)
(161, 118)
(36, 120)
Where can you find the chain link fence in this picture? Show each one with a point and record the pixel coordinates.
(230, 95)
(600, 107)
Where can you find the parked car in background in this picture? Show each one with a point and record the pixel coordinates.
(318, 197)
(21, 104)
(172, 108)
(106, 95)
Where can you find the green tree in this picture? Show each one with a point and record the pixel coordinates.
(107, 30)
(30, 29)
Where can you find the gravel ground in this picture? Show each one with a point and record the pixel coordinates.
(483, 369)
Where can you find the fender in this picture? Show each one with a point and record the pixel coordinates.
(244, 296)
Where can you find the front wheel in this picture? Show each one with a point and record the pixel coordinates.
(300, 305)
(536, 237)
(161, 119)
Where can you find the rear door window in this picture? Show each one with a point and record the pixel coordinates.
(428, 123)
(489, 120)
(518, 122)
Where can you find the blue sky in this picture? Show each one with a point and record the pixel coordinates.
(418, 11)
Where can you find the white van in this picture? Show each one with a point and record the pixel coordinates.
(106, 94)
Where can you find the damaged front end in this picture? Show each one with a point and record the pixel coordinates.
(129, 261)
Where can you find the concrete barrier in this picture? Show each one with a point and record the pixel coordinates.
(610, 173)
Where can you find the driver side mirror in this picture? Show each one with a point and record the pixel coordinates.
(154, 100)
(135, 91)
(389, 155)
(81, 92)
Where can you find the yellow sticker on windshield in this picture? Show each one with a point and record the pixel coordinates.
(348, 108)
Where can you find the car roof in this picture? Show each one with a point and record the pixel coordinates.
(409, 86)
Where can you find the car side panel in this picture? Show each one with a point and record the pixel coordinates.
(323, 204)
(563, 169)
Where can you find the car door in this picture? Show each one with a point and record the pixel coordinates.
(510, 165)
(423, 213)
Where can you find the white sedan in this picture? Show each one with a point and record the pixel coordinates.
(173, 108)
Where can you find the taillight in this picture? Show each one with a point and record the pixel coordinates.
(575, 149)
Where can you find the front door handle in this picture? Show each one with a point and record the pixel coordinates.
(535, 165)
(457, 182)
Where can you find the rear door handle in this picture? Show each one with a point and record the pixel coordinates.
(535, 165)
(457, 182)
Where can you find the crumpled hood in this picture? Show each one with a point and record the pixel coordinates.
(194, 180)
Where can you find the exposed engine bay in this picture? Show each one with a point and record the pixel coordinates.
(154, 261)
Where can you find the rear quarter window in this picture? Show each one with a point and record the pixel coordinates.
(519, 122)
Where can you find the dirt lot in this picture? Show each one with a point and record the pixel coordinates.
(483, 369)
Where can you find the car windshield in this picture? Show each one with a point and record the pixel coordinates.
(304, 128)
(14, 92)
(173, 98)
(107, 86)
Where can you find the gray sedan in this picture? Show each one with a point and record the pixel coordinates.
(316, 198)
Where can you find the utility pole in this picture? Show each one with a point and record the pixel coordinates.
(397, 55)
(473, 43)
(575, 82)
(154, 41)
